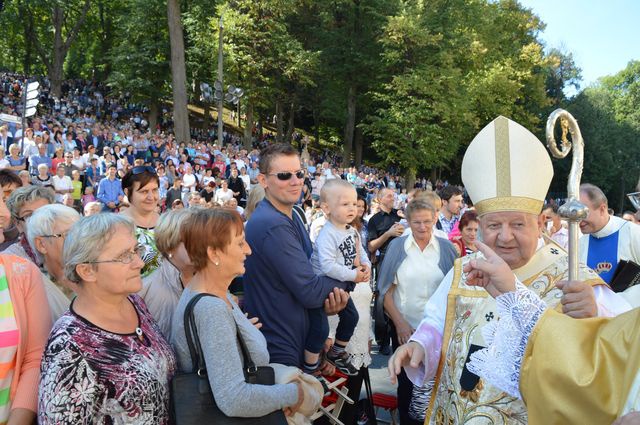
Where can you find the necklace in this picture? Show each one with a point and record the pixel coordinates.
(139, 333)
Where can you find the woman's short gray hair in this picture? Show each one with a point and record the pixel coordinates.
(44, 219)
(418, 205)
(86, 239)
(25, 194)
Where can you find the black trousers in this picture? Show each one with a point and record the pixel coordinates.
(405, 389)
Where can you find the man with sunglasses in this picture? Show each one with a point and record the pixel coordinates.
(280, 284)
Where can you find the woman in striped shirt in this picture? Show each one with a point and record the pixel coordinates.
(25, 323)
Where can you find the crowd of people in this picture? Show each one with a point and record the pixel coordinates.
(112, 232)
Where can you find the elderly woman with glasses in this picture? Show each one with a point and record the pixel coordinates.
(413, 267)
(46, 230)
(106, 360)
(141, 185)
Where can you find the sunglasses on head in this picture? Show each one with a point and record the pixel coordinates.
(141, 169)
(286, 175)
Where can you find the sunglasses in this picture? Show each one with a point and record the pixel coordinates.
(286, 175)
(141, 169)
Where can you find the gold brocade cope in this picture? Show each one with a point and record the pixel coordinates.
(469, 308)
(591, 374)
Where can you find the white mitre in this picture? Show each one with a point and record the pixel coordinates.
(506, 168)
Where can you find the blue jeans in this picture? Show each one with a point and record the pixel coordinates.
(319, 326)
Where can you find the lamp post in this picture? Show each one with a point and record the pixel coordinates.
(219, 85)
(233, 95)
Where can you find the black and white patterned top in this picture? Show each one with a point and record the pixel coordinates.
(92, 376)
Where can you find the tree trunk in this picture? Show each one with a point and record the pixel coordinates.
(248, 125)
(206, 110)
(288, 138)
(622, 193)
(349, 126)
(154, 109)
(60, 47)
(279, 123)
(27, 48)
(410, 178)
(59, 53)
(178, 73)
(316, 124)
(357, 141)
(106, 26)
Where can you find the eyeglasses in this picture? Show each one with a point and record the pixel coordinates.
(143, 168)
(125, 258)
(286, 175)
(24, 218)
(427, 223)
(55, 235)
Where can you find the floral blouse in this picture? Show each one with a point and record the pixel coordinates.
(92, 376)
(151, 256)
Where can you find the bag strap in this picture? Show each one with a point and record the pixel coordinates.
(195, 348)
(191, 332)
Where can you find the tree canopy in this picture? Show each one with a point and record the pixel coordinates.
(403, 83)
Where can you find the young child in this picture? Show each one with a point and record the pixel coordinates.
(76, 195)
(88, 196)
(337, 253)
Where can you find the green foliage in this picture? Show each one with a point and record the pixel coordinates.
(607, 113)
(561, 73)
(455, 65)
(261, 55)
(425, 75)
(140, 53)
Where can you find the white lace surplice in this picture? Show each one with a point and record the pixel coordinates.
(499, 363)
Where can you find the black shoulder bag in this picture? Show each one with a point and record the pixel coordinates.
(192, 402)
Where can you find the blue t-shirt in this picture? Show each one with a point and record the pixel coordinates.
(279, 282)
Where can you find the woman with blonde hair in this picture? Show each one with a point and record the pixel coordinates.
(161, 290)
(17, 162)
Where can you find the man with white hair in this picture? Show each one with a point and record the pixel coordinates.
(46, 231)
(189, 182)
(497, 171)
(93, 208)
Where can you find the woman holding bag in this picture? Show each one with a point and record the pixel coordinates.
(220, 324)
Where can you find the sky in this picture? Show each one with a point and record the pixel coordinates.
(603, 35)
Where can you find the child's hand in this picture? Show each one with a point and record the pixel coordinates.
(363, 274)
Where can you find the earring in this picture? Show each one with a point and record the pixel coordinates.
(170, 255)
(217, 263)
